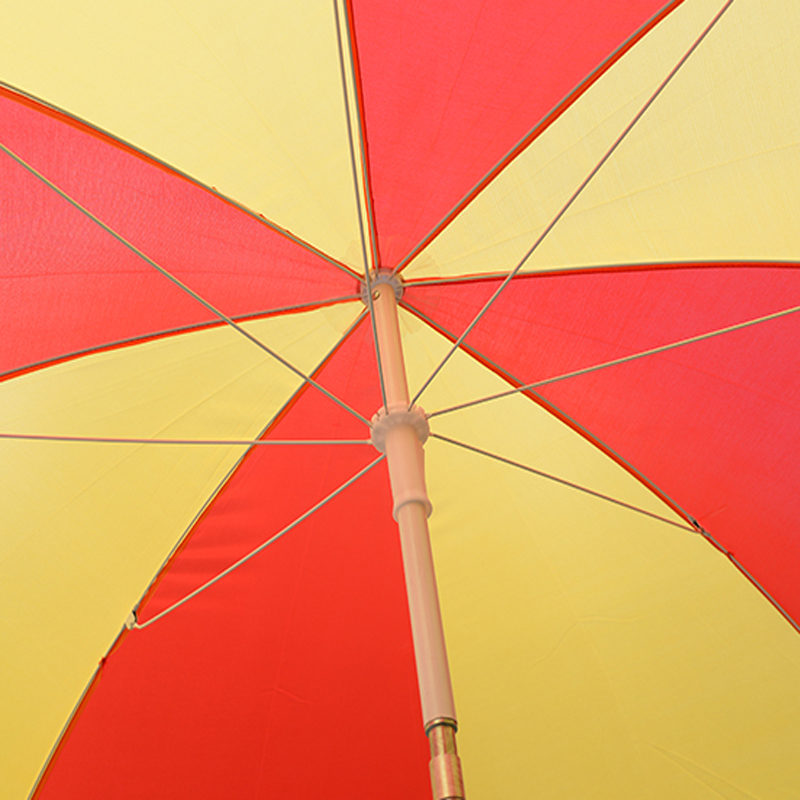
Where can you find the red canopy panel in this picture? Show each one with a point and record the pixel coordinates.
(428, 78)
(78, 288)
(713, 424)
(311, 637)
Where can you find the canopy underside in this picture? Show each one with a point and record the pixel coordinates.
(614, 540)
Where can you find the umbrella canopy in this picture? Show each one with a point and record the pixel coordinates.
(589, 213)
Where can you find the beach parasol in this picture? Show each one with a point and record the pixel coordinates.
(257, 257)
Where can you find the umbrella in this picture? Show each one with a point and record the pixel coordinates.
(579, 217)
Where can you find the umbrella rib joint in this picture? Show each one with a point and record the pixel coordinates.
(399, 431)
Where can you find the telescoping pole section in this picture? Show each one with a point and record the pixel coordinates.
(400, 433)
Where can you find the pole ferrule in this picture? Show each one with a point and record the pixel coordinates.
(445, 765)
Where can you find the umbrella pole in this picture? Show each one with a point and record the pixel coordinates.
(400, 431)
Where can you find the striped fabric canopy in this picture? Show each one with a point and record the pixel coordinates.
(592, 208)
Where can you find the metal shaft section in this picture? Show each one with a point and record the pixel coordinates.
(399, 432)
(445, 763)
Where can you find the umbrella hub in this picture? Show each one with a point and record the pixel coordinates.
(382, 277)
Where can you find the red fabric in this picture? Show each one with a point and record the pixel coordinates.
(307, 644)
(714, 425)
(431, 72)
(66, 285)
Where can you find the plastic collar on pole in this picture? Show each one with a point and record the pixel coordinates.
(398, 414)
(400, 432)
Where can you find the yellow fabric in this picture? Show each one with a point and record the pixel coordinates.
(244, 96)
(106, 516)
(709, 172)
(594, 652)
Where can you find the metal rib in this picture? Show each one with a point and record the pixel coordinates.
(257, 550)
(117, 141)
(566, 272)
(542, 125)
(35, 437)
(217, 313)
(191, 328)
(563, 482)
(356, 189)
(616, 361)
(264, 431)
(571, 200)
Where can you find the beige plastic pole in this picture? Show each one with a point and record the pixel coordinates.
(400, 432)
